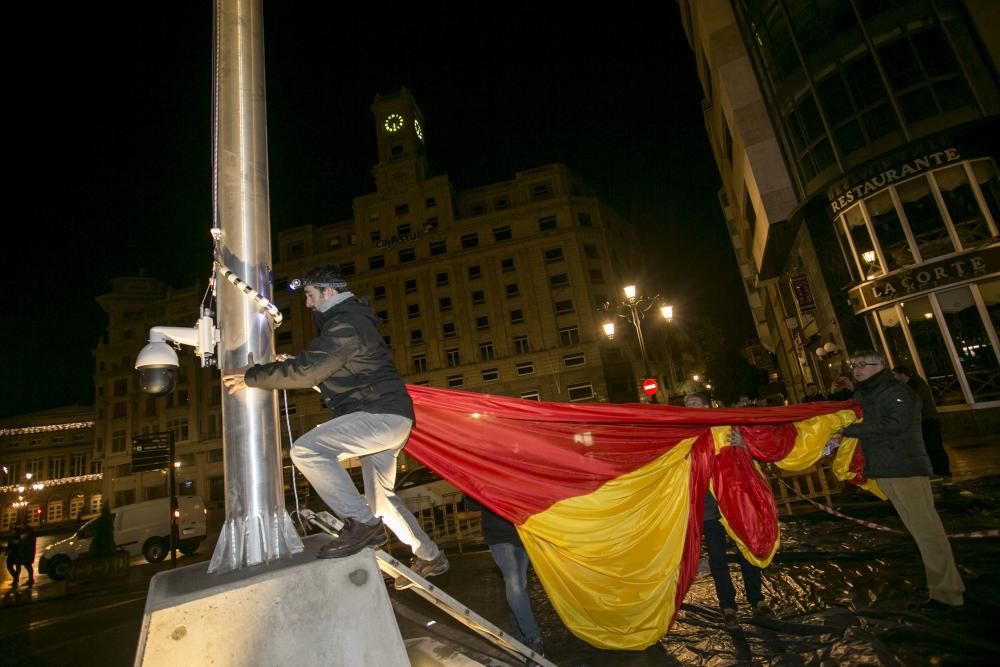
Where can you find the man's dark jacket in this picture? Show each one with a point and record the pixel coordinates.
(348, 361)
(890, 434)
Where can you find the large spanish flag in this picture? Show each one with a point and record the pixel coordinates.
(608, 498)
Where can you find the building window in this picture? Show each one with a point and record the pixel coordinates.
(407, 255)
(410, 286)
(376, 262)
(580, 392)
(516, 316)
(501, 203)
(502, 233)
(422, 383)
(475, 272)
(564, 306)
(420, 363)
(596, 277)
(470, 241)
(812, 146)
(448, 329)
(333, 242)
(412, 310)
(347, 269)
(578, 359)
(547, 223)
(379, 292)
(486, 350)
(178, 428)
(444, 303)
(375, 236)
(490, 375)
(452, 358)
(120, 387)
(438, 248)
(417, 336)
(478, 209)
(403, 229)
(478, 297)
(559, 280)
(553, 255)
(541, 191)
(526, 368)
(521, 345)
(383, 316)
(584, 220)
(429, 202)
(78, 465)
(57, 468)
(483, 322)
(442, 279)
(430, 224)
(215, 455)
(118, 443)
(531, 395)
(727, 139)
(402, 209)
(590, 251)
(569, 336)
(120, 410)
(511, 290)
(295, 249)
(456, 381)
(507, 264)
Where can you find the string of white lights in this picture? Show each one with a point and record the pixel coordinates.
(51, 428)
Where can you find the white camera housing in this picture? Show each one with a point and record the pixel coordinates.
(157, 362)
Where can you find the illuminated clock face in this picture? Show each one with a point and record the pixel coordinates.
(419, 129)
(394, 122)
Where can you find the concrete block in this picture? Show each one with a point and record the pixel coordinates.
(298, 611)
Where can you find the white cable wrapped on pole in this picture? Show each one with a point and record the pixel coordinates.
(276, 317)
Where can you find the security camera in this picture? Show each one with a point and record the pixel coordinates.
(157, 362)
(157, 365)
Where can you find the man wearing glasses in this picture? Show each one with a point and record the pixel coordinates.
(895, 457)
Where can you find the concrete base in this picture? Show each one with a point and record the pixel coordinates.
(299, 611)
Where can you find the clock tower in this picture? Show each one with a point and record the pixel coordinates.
(399, 129)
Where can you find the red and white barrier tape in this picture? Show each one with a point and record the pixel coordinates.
(991, 532)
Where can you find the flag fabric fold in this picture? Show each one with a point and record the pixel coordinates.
(608, 498)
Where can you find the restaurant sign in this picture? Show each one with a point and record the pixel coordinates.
(971, 265)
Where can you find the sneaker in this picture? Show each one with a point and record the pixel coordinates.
(730, 619)
(763, 610)
(424, 568)
(354, 537)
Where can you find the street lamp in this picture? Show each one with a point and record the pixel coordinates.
(634, 309)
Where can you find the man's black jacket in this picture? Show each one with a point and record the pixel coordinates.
(348, 361)
(890, 434)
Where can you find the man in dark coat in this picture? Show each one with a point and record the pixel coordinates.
(26, 553)
(812, 394)
(13, 553)
(930, 422)
(373, 416)
(896, 459)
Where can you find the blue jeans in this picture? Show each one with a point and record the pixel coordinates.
(715, 539)
(376, 440)
(512, 560)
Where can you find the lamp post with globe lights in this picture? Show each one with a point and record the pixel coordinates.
(633, 309)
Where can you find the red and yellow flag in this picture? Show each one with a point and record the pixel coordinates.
(608, 498)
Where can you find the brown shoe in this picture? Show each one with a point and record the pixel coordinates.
(354, 537)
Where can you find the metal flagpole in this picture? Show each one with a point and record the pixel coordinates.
(257, 527)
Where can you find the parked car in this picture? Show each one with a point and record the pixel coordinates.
(422, 481)
(142, 528)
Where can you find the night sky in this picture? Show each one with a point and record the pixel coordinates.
(109, 125)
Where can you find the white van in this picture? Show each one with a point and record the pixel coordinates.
(143, 528)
